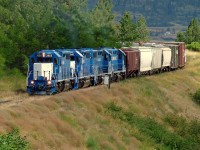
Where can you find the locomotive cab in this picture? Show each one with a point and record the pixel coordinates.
(114, 63)
(41, 77)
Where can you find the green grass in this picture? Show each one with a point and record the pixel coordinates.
(92, 144)
(68, 119)
(159, 132)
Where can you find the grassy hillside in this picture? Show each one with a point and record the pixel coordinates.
(152, 112)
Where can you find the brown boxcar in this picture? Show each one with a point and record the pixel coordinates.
(181, 53)
(132, 61)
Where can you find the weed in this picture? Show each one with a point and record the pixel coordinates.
(13, 140)
(196, 96)
(68, 119)
(184, 128)
(92, 144)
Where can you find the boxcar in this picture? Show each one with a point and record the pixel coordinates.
(166, 56)
(181, 55)
(156, 64)
(174, 58)
(132, 61)
(145, 59)
(181, 52)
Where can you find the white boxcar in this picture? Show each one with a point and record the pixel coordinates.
(166, 57)
(156, 58)
(145, 58)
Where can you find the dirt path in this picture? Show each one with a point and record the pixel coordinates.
(18, 99)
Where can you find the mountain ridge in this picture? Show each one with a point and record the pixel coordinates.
(158, 13)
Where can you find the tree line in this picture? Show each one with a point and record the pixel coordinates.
(33, 25)
(191, 36)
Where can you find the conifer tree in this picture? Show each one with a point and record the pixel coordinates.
(126, 29)
(193, 32)
(141, 31)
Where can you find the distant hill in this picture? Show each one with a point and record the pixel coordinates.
(159, 12)
(164, 17)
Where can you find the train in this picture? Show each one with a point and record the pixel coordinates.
(58, 70)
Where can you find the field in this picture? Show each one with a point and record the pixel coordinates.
(151, 112)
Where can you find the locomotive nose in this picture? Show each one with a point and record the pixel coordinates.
(40, 87)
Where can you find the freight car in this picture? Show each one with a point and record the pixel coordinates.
(154, 58)
(53, 71)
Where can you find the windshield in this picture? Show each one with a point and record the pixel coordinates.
(44, 60)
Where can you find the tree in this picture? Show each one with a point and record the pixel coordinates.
(193, 32)
(103, 24)
(126, 29)
(141, 31)
(180, 37)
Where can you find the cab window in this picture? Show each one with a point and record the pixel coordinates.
(120, 56)
(55, 61)
(32, 60)
(88, 55)
(67, 56)
(72, 58)
(105, 58)
(95, 54)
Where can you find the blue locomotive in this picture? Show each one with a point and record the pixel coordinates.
(53, 71)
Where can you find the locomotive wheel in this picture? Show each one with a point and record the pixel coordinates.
(81, 83)
(60, 87)
(116, 78)
(91, 82)
(99, 80)
(72, 84)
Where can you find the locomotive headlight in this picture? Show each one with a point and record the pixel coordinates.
(48, 82)
(43, 54)
(32, 82)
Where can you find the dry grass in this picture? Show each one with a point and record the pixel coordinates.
(68, 120)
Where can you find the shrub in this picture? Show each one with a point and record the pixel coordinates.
(92, 144)
(13, 141)
(195, 46)
(196, 96)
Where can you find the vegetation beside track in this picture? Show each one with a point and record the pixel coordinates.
(155, 112)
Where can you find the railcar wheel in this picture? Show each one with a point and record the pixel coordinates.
(138, 74)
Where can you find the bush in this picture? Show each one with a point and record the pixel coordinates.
(196, 97)
(13, 141)
(195, 46)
